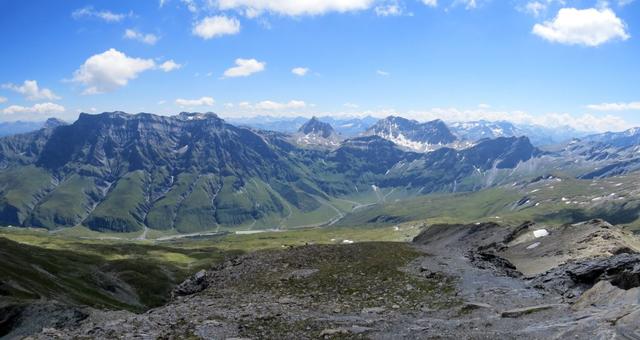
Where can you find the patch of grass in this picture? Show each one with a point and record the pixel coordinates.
(354, 277)
(275, 327)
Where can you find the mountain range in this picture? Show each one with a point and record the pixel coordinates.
(195, 172)
(539, 135)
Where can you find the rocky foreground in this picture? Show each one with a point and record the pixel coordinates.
(454, 281)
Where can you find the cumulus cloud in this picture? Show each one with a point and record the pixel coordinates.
(382, 73)
(300, 71)
(253, 8)
(39, 109)
(632, 106)
(588, 27)
(2, 100)
(110, 70)
(244, 68)
(105, 15)
(169, 66)
(203, 101)
(148, 38)
(216, 26)
(31, 90)
(430, 3)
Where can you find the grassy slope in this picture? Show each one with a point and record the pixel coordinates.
(66, 205)
(122, 209)
(548, 201)
(196, 212)
(136, 275)
(103, 274)
(18, 191)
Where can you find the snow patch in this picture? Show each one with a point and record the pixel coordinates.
(540, 233)
(534, 245)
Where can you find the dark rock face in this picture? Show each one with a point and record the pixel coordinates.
(504, 153)
(315, 126)
(444, 168)
(573, 278)
(196, 283)
(19, 320)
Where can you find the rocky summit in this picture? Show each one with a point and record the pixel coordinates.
(482, 280)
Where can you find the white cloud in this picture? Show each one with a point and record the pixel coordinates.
(536, 7)
(382, 73)
(170, 65)
(191, 5)
(589, 27)
(387, 10)
(31, 90)
(40, 109)
(430, 3)
(109, 71)
(244, 68)
(149, 39)
(254, 8)
(204, 101)
(271, 105)
(351, 105)
(2, 100)
(632, 106)
(105, 15)
(216, 26)
(300, 71)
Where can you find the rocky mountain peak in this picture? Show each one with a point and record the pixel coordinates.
(53, 123)
(412, 134)
(315, 126)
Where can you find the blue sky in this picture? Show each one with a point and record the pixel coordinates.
(552, 62)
